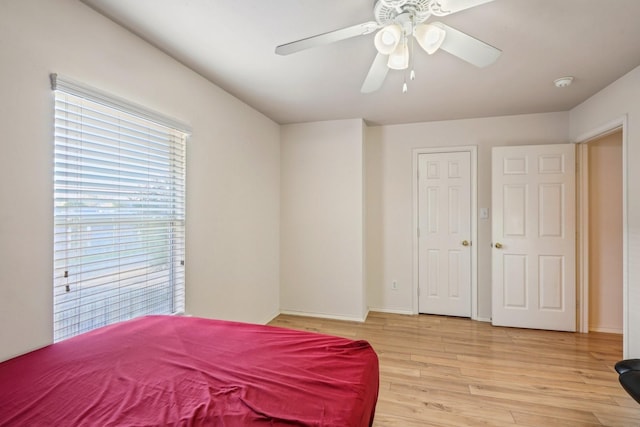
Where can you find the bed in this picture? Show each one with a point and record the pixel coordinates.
(187, 371)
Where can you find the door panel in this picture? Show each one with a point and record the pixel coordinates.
(515, 202)
(550, 210)
(533, 233)
(515, 274)
(551, 274)
(444, 222)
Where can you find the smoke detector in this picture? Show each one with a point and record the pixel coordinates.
(563, 81)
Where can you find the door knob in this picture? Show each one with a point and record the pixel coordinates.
(466, 243)
(498, 245)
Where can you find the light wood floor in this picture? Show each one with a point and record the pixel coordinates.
(441, 371)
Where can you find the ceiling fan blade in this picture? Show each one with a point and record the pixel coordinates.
(377, 74)
(468, 48)
(447, 7)
(326, 38)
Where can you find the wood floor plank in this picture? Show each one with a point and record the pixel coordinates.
(617, 420)
(442, 371)
(536, 420)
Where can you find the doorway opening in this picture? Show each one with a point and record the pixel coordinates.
(619, 124)
(601, 166)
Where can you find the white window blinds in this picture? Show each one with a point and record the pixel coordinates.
(119, 211)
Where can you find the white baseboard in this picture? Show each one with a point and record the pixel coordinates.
(383, 310)
(270, 318)
(411, 313)
(323, 315)
(392, 311)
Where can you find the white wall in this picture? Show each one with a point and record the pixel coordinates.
(235, 212)
(389, 194)
(232, 264)
(322, 219)
(621, 98)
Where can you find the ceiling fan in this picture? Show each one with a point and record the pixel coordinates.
(399, 20)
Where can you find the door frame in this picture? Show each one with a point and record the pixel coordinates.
(620, 123)
(473, 151)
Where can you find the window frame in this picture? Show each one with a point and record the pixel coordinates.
(162, 201)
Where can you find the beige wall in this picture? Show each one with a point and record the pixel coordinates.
(620, 100)
(233, 177)
(322, 219)
(236, 215)
(605, 233)
(389, 183)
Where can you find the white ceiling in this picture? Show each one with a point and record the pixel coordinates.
(231, 43)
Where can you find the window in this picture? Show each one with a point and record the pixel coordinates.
(119, 211)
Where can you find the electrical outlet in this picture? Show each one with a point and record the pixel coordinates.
(394, 285)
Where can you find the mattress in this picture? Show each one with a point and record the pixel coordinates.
(186, 371)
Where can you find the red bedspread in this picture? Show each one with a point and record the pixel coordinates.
(172, 370)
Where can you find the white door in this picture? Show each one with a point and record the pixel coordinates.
(444, 227)
(533, 235)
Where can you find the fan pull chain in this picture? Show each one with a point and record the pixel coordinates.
(412, 74)
(404, 85)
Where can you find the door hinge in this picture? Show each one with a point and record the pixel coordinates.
(418, 232)
(418, 174)
(418, 290)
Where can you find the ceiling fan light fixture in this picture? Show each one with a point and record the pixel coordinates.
(388, 39)
(399, 58)
(396, 21)
(429, 37)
